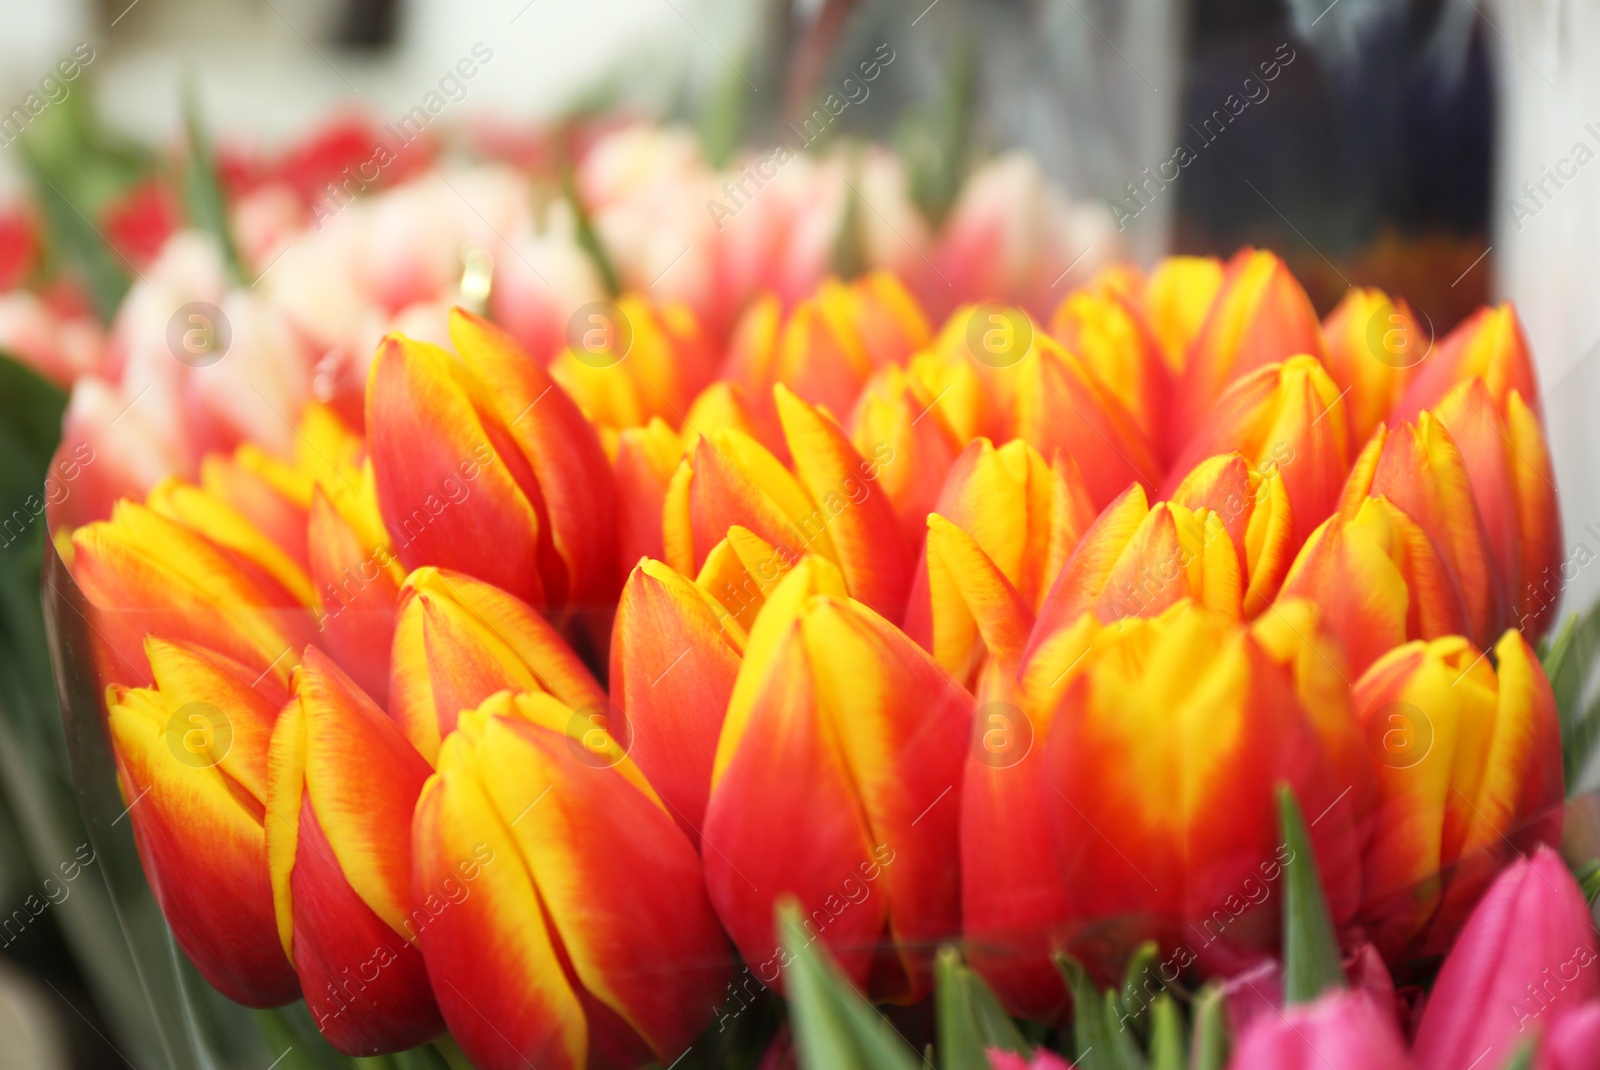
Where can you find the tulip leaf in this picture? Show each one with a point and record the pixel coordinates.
(1124, 1046)
(834, 1027)
(208, 205)
(1135, 996)
(1588, 876)
(1522, 1058)
(970, 1018)
(1311, 959)
(1099, 1040)
(1570, 659)
(1210, 1039)
(1166, 1035)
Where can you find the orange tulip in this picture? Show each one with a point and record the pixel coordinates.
(192, 759)
(1380, 581)
(1487, 345)
(1174, 721)
(343, 784)
(572, 927)
(1374, 345)
(1176, 300)
(1101, 327)
(675, 652)
(1419, 470)
(1260, 316)
(1468, 770)
(459, 640)
(870, 734)
(630, 362)
(485, 450)
(1279, 417)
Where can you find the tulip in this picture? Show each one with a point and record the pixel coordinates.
(899, 411)
(191, 755)
(343, 785)
(572, 927)
(1468, 764)
(870, 733)
(1419, 470)
(459, 640)
(1573, 1041)
(1022, 516)
(739, 573)
(1192, 701)
(675, 653)
(642, 464)
(1102, 328)
(1176, 300)
(1138, 561)
(1275, 417)
(1056, 404)
(357, 579)
(1339, 1031)
(632, 362)
(999, 1059)
(146, 574)
(829, 506)
(1508, 462)
(1253, 507)
(1525, 961)
(1261, 316)
(1259, 991)
(1487, 345)
(487, 451)
(1374, 342)
(1380, 581)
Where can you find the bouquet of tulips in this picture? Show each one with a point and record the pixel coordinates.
(706, 670)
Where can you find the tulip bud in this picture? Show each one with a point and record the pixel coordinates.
(633, 362)
(146, 574)
(673, 663)
(1100, 327)
(871, 733)
(561, 872)
(1573, 1041)
(1253, 507)
(644, 461)
(1468, 763)
(1374, 342)
(192, 759)
(344, 782)
(1260, 316)
(1379, 580)
(1525, 962)
(1340, 1031)
(1022, 514)
(896, 410)
(1487, 345)
(1420, 471)
(1189, 699)
(1137, 561)
(1278, 417)
(357, 579)
(484, 450)
(1177, 298)
(1508, 462)
(458, 640)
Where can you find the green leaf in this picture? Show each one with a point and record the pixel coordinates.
(834, 1027)
(722, 114)
(1588, 876)
(1311, 959)
(1522, 1058)
(1098, 1039)
(1124, 1045)
(588, 238)
(1135, 996)
(970, 1018)
(77, 241)
(1166, 1035)
(849, 255)
(208, 205)
(1569, 659)
(936, 142)
(1210, 1040)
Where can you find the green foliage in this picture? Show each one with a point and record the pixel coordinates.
(1210, 1039)
(970, 1018)
(207, 203)
(1311, 959)
(588, 238)
(936, 141)
(1569, 661)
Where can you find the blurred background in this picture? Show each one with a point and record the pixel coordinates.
(1434, 148)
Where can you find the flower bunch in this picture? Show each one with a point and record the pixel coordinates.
(515, 699)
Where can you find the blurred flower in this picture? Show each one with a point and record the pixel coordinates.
(576, 930)
(1374, 342)
(1523, 965)
(1340, 1031)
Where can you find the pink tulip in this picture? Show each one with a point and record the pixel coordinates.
(1573, 1043)
(1258, 992)
(1526, 958)
(1340, 1031)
